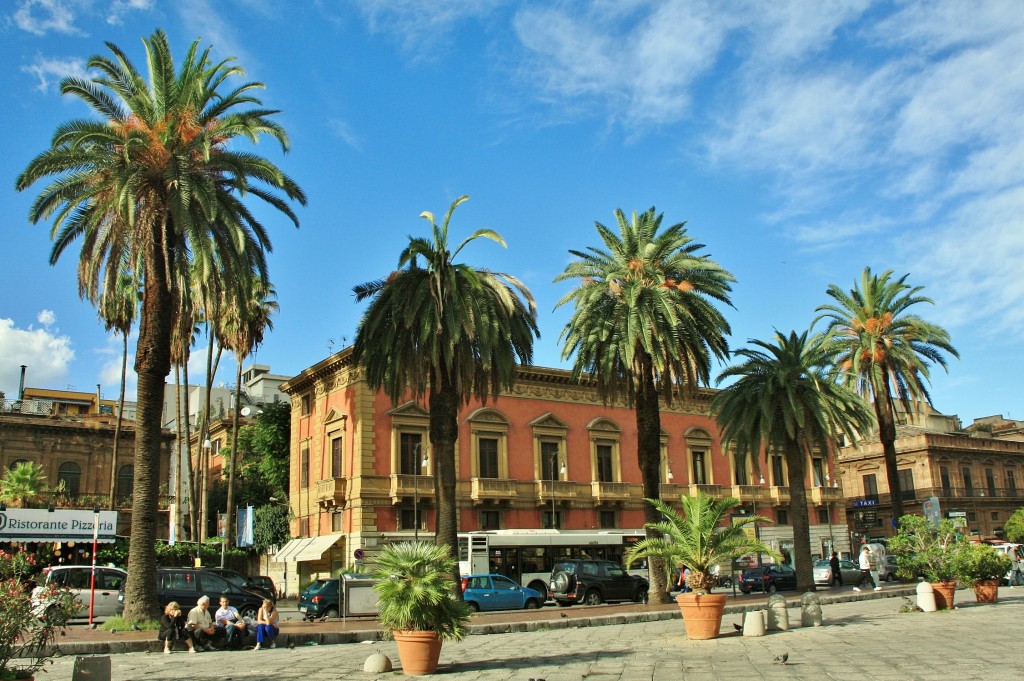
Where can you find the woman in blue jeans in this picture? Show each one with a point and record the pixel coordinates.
(266, 625)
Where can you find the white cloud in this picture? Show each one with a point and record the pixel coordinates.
(120, 8)
(50, 71)
(47, 318)
(41, 16)
(344, 131)
(46, 353)
(420, 25)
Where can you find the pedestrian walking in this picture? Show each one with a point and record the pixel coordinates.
(834, 567)
(865, 570)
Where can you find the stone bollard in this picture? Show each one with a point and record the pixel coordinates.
(378, 663)
(926, 597)
(778, 613)
(753, 623)
(810, 610)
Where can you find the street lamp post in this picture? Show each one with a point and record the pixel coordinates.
(554, 472)
(757, 529)
(204, 476)
(421, 462)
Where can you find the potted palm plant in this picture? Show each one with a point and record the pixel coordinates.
(698, 539)
(418, 603)
(985, 567)
(936, 553)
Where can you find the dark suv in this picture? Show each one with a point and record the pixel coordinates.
(243, 582)
(768, 578)
(186, 585)
(593, 582)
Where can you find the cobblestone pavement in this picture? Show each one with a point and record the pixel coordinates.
(860, 640)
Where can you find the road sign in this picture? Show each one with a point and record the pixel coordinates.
(359, 554)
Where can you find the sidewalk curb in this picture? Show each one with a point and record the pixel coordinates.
(374, 634)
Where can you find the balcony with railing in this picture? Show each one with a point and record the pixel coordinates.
(330, 493)
(62, 499)
(403, 485)
(717, 491)
(559, 490)
(826, 495)
(604, 492)
(750, 493)
(672, 492)
(779, 494)
(952, 494)
(492, 489)
(28, 407)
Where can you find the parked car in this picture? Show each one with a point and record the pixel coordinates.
(240, 580)
(497, 592)
(186, 585)
(594, 582)
(768, 578)
(267, 583)
(322, 598)
(823, 573)
(78, 578)
(887, 570)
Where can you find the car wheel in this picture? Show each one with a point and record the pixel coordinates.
(641, 596)
(249, 611)
(560, 581)
(532, 604)
(473, 605)
(772, 588)
(539, 587)
(331, 613)
(593, 597)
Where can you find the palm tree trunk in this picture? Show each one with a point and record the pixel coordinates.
(120, 417)
(204, 453)
(797, 464)
(886, 413)
(648, 428)
(152, 364)
(444, 431)
(179, 490)
(234, 455)
(193, 498)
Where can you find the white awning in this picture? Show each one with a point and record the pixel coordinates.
(306, 548)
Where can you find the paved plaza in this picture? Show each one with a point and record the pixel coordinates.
(861, 640)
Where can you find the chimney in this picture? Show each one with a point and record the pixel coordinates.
(21, 386)
(99, 396)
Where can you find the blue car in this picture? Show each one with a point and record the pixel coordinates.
(497, 592)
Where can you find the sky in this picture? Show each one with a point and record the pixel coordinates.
(800, 142)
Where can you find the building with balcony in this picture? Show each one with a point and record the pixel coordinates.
(547, 454)
(974, 474)
(76, 453)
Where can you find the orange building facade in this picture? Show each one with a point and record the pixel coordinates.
(548, 453)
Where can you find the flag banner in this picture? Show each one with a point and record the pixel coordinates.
(245, 527)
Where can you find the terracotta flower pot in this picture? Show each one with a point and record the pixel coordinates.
(986, 591)
(944, 594)
(702, 614)
(418, 651)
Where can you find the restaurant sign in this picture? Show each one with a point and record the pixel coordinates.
(59, 525)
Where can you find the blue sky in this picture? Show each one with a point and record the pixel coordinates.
(801, 141)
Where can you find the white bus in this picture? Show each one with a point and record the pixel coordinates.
(527, 556)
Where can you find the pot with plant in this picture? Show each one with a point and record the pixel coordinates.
(25, 636)
(936, 553)
(985, 567)
(700, 538)
(417, 602)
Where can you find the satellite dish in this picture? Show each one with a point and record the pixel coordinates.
(246, 411)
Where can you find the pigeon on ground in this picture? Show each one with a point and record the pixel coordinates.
(781, 659)
(564, 616)
(737, 627)
(135, 627)
(291, 645)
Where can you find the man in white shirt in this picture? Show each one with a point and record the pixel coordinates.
(865, 570)
(228, 620)
(200, 625)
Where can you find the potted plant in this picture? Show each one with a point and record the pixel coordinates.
(698, 539)
(418, 603)
(936, 553)
(25, 635)
(985, 567)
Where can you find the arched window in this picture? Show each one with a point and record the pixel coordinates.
(14, 464)
(70, 473)
(125, 482)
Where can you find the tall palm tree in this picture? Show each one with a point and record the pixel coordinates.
(447, 331)
(153, 176)
(118, 308)
(885, 351)
(786, 400)
(248, 321)
(645, 328)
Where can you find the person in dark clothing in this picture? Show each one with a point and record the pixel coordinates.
(833, 566)
(172, 628)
